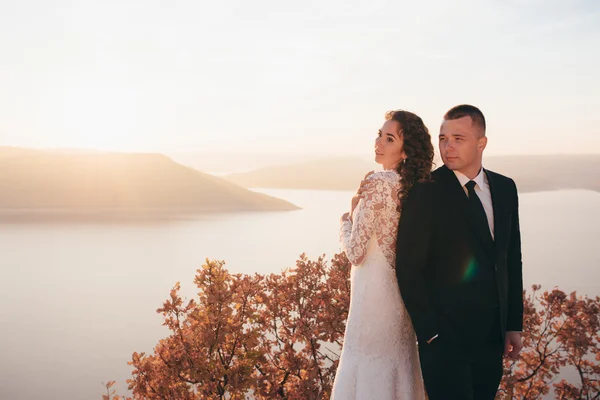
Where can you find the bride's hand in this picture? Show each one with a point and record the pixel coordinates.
(355, 199)
(359, 193)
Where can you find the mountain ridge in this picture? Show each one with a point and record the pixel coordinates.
(532, 173)
(147, 183)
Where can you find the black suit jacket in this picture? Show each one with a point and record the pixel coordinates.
(455, 280)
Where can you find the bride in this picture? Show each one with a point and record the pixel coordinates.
(379, 359)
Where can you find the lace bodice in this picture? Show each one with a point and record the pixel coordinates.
(379, 357)
(375, 215)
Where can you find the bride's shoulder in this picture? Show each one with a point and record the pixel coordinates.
(385, 176)
(388, 178)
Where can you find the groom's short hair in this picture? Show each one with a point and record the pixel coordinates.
(466, 110)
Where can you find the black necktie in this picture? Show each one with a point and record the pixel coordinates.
(476, 209)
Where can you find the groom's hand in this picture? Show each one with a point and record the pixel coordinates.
(512, 344)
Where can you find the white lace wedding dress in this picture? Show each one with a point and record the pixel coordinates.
(379, 359)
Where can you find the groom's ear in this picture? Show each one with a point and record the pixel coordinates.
(482, 142)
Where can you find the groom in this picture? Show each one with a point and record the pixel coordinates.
(459, 266)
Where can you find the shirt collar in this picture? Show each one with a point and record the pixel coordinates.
(479, 179)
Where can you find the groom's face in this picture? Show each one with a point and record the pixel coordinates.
(461, 144)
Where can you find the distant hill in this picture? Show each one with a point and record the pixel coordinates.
(553, 172)
(531, 173)
(75, 182)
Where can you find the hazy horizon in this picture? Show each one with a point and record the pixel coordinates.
(46, 179)
(223, 163)
(144, 76)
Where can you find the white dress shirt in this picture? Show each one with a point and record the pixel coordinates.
(482, 189)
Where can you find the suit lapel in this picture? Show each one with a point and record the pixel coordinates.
(455, 190)
(498, 205)
(459, 197)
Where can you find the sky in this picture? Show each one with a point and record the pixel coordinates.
(295, 77)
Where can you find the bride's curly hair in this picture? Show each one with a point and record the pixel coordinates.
(418, 163)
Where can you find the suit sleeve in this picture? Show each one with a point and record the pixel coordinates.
(514, 321)
(415, 232)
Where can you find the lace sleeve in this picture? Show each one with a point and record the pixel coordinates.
(355, 233)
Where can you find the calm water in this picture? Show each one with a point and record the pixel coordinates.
(77, 299)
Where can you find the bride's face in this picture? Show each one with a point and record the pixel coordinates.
(389, 148)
